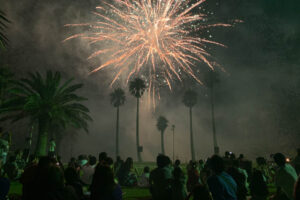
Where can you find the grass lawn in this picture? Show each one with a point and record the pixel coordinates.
(129, 193)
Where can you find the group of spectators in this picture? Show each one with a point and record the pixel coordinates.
(91, 178)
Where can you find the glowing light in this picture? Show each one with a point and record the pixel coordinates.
(153, 38)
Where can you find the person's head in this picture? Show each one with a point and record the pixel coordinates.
(232, 156)
(160, 160)
(71, 175)
(146, 169)
(279, 159)
(82, 160)
(241, 156)
(200, 192)
(92, 160)
(167, 161)
(177, 163)
(261, 160)
(118, 159)
(46, 162)
(108, 161)
(128, 163)
(102, 156)
(217, 164)
(227, 154)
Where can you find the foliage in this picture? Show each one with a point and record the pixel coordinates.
(137, 87)
(46, 99)
(162, 123)
(3, 25)
(189, 98)
(117, 97)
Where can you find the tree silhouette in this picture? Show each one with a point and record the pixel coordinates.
(3, 26)
(137, 88)
(117, 99)
(211, 79)
(46, 102)
(162, 124)
(190, 100)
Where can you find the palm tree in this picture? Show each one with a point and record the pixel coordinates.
(190, 100)
(212, 78)
(162, 124)
(46, 102)
(3, 26)
(137, 88)
(117, 99)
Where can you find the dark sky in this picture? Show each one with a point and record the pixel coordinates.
(261, 58)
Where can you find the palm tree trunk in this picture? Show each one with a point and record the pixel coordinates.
(117, 133)
(42, 142)
(137, 131)
(191, 135)
(216, 149)
(162, 143)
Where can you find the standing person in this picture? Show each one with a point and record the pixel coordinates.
(258, 186)
(160, 179)
(104, 186)
(52, 146)
(285, 176)
(193, 177)
(178, 185)
(296, 162)
(88, 171)
(126, 175)
(221, 185)
(144, 178)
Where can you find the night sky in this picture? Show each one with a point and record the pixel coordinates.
(257, 97)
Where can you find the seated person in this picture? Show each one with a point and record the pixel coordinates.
(221, 185)
(144, 178)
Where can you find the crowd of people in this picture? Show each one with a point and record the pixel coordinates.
(91, 178)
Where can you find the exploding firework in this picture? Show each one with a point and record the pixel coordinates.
(150, 38)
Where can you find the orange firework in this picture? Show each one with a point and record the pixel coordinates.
(149, 37)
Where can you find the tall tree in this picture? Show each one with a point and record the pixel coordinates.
(211, 79)
(162, 124)
(190, 100)
(3, 26)
(137, 88)
(46, 101)
(117, 99)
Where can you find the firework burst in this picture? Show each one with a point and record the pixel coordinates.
(153, 38)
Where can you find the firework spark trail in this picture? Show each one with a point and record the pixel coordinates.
(149, 37)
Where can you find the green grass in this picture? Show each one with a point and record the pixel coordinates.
(128, 193)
